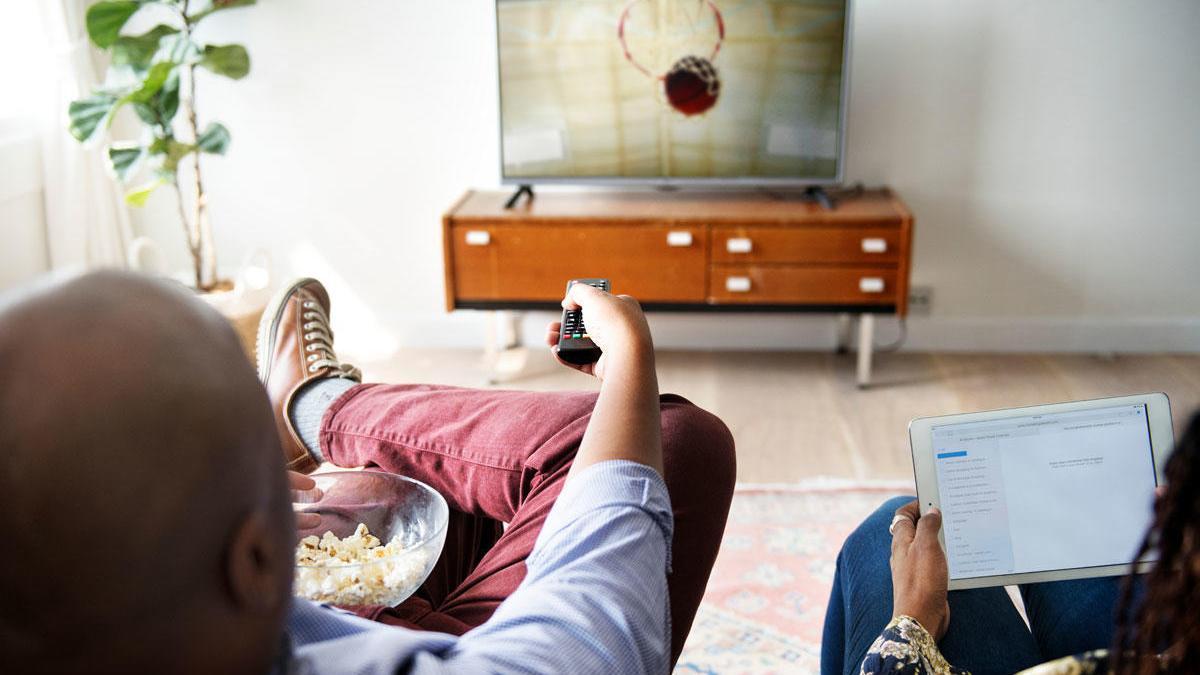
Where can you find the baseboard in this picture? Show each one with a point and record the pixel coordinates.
(1031, 334)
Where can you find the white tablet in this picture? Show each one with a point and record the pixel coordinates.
(1044, 493)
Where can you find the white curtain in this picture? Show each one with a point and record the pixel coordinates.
(87, 221)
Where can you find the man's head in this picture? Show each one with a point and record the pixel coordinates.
(145, 514)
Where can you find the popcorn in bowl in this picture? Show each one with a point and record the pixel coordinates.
(359, 569)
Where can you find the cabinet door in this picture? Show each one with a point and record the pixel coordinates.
(534, 262)
(861, 245)
(803, 285)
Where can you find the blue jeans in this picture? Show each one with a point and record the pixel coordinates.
(986, 633)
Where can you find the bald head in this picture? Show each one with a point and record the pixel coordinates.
(136, 444)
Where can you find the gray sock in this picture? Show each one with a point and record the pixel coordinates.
(309, 406)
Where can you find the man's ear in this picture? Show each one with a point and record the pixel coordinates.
(254, 565)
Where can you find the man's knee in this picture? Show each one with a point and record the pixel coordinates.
(698, 443)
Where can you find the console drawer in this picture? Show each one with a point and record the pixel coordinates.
(802, 285)
(533, 263)
(865, 245)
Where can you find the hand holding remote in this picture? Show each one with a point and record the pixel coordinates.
(626, 423)
(614, 322)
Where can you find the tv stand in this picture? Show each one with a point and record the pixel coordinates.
(521, 190)
(692, 251)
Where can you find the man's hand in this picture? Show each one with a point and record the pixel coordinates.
(919, 573)
(298, 482)
(626, 423)
(614, 322)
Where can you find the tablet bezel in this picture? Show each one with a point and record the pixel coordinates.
(1162, 440)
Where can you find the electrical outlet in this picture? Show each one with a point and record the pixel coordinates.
(920, 300)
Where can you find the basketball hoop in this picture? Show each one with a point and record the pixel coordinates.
(692, 83)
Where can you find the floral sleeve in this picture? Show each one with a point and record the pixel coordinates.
(905, 647)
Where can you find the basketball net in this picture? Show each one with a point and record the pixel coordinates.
(682, 38)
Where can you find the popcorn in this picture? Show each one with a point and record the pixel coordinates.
(357, 570)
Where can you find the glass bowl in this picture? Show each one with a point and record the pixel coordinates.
(394, 509)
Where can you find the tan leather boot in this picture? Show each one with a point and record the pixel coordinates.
(295, 347)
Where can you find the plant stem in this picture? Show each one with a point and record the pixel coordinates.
(192, 241)
(203, 226)
(204, 255)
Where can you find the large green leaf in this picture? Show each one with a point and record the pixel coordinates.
(160, 109)
(167, 98)
(146, 112)
(124, 158)
(152, 83)
(214, 140)
(218, 5)
(87, 114)
(229, 60)
(105, 20)
(138, 51)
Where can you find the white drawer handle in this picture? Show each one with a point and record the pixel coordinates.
(874, 245)
(737, 284)
(478, 238)
(870, 285)
(679, 239)
(739, 245)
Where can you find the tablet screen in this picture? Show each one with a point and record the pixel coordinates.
(1044, 492)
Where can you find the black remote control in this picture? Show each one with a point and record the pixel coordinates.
(574, 344)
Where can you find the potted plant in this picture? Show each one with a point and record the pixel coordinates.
(155, 73)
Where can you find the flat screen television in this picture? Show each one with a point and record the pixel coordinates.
(672, 91)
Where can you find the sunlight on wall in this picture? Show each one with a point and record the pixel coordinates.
(360, 335)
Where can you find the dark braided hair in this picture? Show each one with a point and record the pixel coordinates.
(1167, 619)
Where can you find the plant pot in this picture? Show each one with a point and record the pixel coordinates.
(243, 310)
(240, 300)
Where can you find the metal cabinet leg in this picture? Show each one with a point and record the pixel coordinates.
(503, 331)
(866, 344)
(502, 353)
(843, 333)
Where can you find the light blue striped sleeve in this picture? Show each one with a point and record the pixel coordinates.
(594, 599)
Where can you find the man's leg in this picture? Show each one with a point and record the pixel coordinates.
(502, 456)
(986, 634)
(1072, 617)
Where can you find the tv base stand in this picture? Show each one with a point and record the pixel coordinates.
(516, 197)
(817, 194)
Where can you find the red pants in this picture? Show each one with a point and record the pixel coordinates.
(502, 456)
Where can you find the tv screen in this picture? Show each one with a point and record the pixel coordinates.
(669, 91)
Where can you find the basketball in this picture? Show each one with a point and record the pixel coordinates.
(692, 85)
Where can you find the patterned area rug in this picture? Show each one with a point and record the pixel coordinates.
(765, 604)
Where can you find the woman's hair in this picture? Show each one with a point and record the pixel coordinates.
(1167, 618)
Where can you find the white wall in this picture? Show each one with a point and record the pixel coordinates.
(1050, 150)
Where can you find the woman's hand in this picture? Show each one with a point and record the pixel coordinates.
(919, 573)
(298, 482)
(615, 323)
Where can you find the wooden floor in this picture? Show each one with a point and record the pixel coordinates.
(798, 415)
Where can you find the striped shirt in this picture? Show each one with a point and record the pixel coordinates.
(594, 598)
